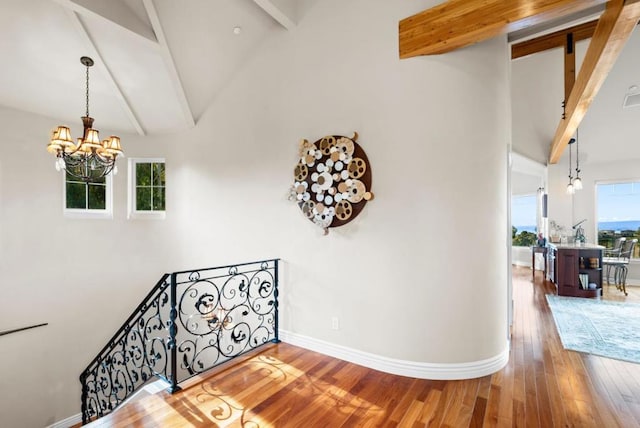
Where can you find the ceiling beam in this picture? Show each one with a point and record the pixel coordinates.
(113, 12)
(102, 65)
(283, 11)
(612, 32)
(169, 63)
(459, 23)
(553, 40)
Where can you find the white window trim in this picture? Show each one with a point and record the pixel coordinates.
(132, 213)
(106, 213)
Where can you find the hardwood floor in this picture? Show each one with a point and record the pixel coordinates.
(543, 385)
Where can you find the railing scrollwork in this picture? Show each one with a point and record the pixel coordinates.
(190, 322)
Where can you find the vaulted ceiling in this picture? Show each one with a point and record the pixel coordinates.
(158, 63)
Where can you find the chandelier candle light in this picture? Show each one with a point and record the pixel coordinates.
(89, 159)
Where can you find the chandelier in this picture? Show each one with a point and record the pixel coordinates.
(88, 159)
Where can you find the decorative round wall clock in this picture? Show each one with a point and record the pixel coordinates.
(332, 180)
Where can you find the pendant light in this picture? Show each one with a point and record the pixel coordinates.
(577, 182)
(570, 188)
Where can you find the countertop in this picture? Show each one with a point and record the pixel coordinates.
(577, 246)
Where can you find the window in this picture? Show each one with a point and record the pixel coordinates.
(147, 188)
(618, 206)
(523, 220)
(87, 200)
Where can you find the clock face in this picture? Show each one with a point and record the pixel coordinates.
(332, 180)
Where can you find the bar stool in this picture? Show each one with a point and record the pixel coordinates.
(620, 266)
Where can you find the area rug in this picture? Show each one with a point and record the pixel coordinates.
(608, 329)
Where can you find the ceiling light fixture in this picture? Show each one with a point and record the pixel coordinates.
(570, 188)
(89, 159)
(577, 183)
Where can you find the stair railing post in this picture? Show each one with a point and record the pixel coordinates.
(173, 332)
(83, 405)
(275, 304)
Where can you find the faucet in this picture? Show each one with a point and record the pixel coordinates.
(579, 236)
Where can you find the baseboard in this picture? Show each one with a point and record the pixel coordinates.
(436, 371)
(68, 422)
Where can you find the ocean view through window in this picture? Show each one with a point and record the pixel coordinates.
(523, 220)
(618, 206)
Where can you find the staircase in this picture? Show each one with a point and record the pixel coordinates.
(189, 322)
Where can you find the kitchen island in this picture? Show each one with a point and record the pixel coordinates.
(576, 269)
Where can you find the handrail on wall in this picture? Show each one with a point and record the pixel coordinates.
(15, 330)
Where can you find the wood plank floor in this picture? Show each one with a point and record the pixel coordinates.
(543, 385)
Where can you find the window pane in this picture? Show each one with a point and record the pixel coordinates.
(76, 195)
(523, 220)
(143, 174)
(97, 197)
(158, 199)
(158, 174)
(143, 198)
(618, 213)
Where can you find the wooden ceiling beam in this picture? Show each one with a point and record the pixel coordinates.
(553, 40)
(612, 32)
(458, 23)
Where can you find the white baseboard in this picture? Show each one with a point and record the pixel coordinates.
(436, 371)
(68, 422)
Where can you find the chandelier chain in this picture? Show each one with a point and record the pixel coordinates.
(87, 91)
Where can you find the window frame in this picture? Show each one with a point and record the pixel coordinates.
(132, 212)
(87, 213)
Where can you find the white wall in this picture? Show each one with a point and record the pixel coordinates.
(419, 275)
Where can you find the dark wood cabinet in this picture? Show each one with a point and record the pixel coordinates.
(570, 262)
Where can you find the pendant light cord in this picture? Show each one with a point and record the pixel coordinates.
(570, 163)
(577, 154)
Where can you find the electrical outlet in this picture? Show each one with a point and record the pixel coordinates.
(335, 323)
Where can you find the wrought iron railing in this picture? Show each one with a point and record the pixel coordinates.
(190, 322)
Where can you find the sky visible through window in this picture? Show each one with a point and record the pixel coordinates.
(619, 206)
(523, 213)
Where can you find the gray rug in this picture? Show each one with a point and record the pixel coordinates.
(609, 329)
